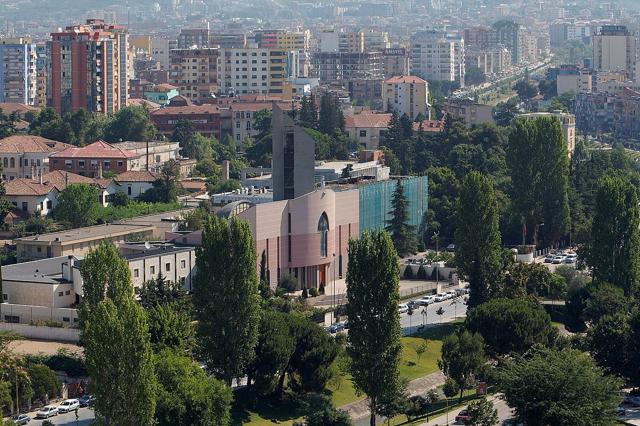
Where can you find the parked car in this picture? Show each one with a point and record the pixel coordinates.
(451, 248)
(548, 258)
(463, 416)
(425, 301)
(47, 411)
(403, 307)
(68, 405)
(462, 291)
(335, 328)
(88, 400)
(20, 419)
(570, 260)
(451, 295)
(412, 304)
(440, 297)
(558, 260)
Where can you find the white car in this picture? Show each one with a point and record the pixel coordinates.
(558, 260)
(47, 411)
(403, 307)
(425, 301)
(440, 297)
(68, 406)
(451, 294)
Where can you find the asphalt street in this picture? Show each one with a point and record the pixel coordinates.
(85, 417)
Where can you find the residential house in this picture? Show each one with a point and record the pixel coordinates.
(367, 128)
(95, 159)
(153, 153)
(23, 156)
(205, 118)
(135, 183)
(468, 111)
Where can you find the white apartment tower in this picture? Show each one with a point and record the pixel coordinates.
(438, 56)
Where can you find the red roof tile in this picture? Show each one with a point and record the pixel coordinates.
(189, 109)
(404, 79)
(98, 149)
(28, 143)
(367, 120)
(429, 126)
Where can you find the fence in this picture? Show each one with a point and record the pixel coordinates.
(28, 314)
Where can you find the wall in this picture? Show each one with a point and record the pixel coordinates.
(34, 202)
(71, 335)
(141, 268)
(40, 294)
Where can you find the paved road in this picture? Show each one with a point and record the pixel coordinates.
(85, 417)
(504, 413)
(452, 311)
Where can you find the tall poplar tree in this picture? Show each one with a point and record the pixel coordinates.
(539, 167)
(372, 308)
(402, 233)
(477, 237)
(614, 251)
(226, 299)
(116, 341)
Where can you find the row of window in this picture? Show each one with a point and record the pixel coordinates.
(152, 268)
(11, 162)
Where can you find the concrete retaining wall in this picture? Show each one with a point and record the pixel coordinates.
(71, 335)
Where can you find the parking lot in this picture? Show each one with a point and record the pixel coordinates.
(84, 418)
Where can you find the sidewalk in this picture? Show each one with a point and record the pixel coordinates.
(360, 409)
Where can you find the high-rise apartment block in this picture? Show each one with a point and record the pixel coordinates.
(18, 75)
(376, 40)
(615, 49)
(437, 55)
(508, 34)
(255, 70)
(342, 41)
(407, 95)
(195, 72)
(89, 68)
(395, 61)
(198, 38)
(341, 66)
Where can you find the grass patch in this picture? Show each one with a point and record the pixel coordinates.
(268, 411)
(134, 209)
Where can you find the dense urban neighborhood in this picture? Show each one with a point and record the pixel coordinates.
(329, 213)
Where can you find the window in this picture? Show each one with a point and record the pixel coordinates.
(323, 228)
(5, 296)
(120, 163)
(129, 190)
(152, 269)
(363, 133)
(60, 293)
(14, 319)
(12, 162)
(136, 273)
(107, 164)
(25, 206)
(5, 162)
(167, 267)
(68, 164)
(81, 164)
(183, 264)
(49, 205)
(66, 319)
(68, 292)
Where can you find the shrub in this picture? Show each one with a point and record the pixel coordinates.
(422, 273)
(408, 273)
(313, 292)
(288, 283)
(450, 388)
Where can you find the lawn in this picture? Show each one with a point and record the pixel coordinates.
(266, 411)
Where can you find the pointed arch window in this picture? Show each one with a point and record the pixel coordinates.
(323, 229)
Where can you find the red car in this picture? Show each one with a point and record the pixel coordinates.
(463, 416)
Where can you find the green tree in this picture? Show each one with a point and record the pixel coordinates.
(372, 308)
(477, 237)
(44, 382)
(511, 325)
(170, 328)
(132, 123)
(264, 286)
(165, 187)
(559, 387)
(506, 111)
(609, 332)
(161, 292)
(482, 413)
(474, 75)
(115, 336)
(331, 119)
(602, 299)
(328, 416)
(462, 358)
(77, 205)
(402, 233)
(614, 251)
(187, 396)
(538, 164)
(226, 297)
(309, 112)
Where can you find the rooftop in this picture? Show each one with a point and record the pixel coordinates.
(98, 149)
(29, 143)
(87, 233)
(405, 79)
(9, 108)
(57, 179)
(367, 120)
(136, 176)
(187, 109)
(45, 271)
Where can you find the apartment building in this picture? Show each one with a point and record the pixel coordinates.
(331, 67)
(243, 117)
(160, 48)
(568, 122)
(22, 154)
(376, 40)
(490, 61)
(153, 153)
(615, 49)
(195, 72)
(507, 34)
(227, 41)
(89, 68)
(407, 95)
(437, 55)
(18, 73)
(395, 61)
(263, 71)
(528, 47)
(205, 118)
(470, 112)
(576, 80)
(196, 37)
(341, 41)
(94, 159)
